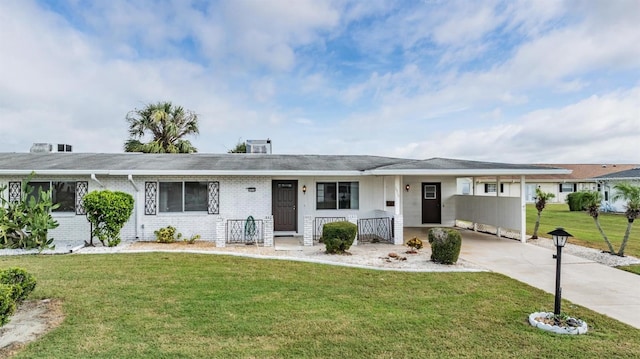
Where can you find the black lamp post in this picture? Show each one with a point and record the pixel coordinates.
(559, 236)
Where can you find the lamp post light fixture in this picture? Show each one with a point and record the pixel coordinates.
(559, 236)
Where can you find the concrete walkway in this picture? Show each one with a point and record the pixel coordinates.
(603, 289)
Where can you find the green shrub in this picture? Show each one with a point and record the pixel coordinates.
(338, 236)
(574, 200)
(26, 223)
(415, 243)
(23, 281)
(192, 239)
(167, 235)
(7, 303)
(108, 212)
(445, 245)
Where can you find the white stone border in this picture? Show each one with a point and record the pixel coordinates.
(554, 328)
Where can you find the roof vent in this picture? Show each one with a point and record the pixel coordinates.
(41, 148)
(258, 146)
(604, 166)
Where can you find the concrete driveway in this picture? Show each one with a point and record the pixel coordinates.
(603, 289)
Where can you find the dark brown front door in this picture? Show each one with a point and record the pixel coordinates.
(431, 212)
(285, 213)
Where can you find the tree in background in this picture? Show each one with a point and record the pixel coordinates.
(241, 147)
(591, 200)
(631, 195)
(166, 124)
(541, 202)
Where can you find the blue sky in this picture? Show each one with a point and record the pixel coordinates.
(509, 81)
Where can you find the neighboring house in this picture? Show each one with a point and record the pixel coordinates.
(606, 185)
(581, 178)
(213, 195)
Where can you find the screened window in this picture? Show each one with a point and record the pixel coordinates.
(568, 187)
(337, 195)
(490, 188)
(62, 193)
(182, 197)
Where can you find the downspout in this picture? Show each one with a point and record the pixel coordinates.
(93, 178)
(135, 203)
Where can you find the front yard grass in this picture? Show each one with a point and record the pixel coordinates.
(583, 228)
(177, 305)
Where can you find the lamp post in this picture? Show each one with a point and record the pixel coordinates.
(559, 236)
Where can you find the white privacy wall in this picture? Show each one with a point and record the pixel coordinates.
(503, 212)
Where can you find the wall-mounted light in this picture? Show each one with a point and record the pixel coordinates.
(407, 187)
(304, 188)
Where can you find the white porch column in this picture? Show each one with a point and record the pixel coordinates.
(523, 211)
(221, 235)
(307, 234)
(268, 231)
(354, 219)
(498, 206)
(398, 222)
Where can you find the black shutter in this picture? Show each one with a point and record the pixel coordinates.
(575, 187)
(560, 188)
(501, 187)
(486, 188)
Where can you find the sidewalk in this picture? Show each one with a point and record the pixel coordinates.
(606, 290)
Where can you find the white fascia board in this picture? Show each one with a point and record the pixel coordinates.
(470, 172)
(233, 173)
(53, 172)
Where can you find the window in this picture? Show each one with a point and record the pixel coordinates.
(340, 195)
(430, 192)
(62, 193)
(568, 187)
(490, 188)
(183, 197)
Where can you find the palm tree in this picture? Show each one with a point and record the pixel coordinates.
(541, 202)
(591, 200)
(630, 194)
(166, 124)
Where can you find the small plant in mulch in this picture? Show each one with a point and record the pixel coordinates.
(415, 244)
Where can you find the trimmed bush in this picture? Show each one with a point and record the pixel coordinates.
(7, 304)
(445, 245)
(167, 235)
(24, 282)
(338, 236)
(108, 212)
(574, 200)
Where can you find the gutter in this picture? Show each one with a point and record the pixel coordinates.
(135, 203)
(93, 177)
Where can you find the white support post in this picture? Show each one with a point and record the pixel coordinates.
(398, 221)
(498, 229)
(523, 211)
(268, 231)
(307, 234)
(354, 219)
(221, 235)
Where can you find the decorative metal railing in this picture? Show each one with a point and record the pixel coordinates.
(375, 230)
(247, 231)
(319, 222)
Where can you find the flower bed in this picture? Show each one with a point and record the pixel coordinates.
(563, 325)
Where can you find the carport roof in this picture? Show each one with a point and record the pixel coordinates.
(248, 164)
(632, 174)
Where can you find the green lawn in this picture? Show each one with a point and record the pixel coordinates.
(177, 305)
(583, 228)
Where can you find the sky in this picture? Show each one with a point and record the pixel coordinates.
(540, 81)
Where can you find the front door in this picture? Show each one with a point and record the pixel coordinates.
(431, 212)
(285, 213)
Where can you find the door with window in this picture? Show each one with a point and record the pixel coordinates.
(285, 212)
(431, 203)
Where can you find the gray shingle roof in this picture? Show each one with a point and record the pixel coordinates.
(239, 164)
(633, 173)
